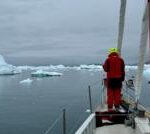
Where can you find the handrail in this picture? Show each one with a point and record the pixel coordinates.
(88, 126)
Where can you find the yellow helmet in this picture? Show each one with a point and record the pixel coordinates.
(113, 50)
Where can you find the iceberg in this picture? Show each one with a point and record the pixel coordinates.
(2, 61)
(7, 69)
(26, 81)
(91, 68)
(62, 67)
(88, 111)
(130, 67)
(147, 73)
(41, 73)
(50, 67)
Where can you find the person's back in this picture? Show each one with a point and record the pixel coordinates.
(114, 66)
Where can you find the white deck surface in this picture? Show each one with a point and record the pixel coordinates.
(115, 129)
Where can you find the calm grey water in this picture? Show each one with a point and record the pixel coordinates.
(32, 108)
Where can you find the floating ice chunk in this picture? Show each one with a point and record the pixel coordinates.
(26, 81)
(146, 66)
(50, 67)
(147, 73)
(85, 67)
(2, 61)
(93, 67)
(61, 67)
(90, 67)
(41, 73)
(129, 68)
(88, 111)
(7, 69)
(26, 68)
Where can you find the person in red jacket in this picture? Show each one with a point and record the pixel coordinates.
(115, 68)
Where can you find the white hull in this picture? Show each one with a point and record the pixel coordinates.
(142, 126)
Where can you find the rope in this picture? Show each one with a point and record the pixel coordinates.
(77, 122)
(53, 125)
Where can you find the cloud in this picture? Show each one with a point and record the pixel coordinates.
(49, 28)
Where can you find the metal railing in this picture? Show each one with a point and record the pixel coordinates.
(128, 93)
(94, 97)
(88, 127)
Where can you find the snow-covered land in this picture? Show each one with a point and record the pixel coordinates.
(7, 69)
(41, 73)
(26, 81)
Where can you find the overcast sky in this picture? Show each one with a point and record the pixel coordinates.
(66, 31)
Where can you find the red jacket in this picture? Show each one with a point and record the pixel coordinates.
(114, 66)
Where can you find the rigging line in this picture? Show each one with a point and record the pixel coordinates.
(77, 122)
(98, 82)
(70, 107)
(53, 125)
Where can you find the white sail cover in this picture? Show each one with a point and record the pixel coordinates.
(142, 51)
(121, 24)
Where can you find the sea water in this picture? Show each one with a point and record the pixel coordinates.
(36, 107)
(31, 108)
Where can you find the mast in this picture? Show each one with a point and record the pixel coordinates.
(121, 25)
(149, 26)
(142, 51)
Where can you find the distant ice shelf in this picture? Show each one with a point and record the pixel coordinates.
(52, 70)
(91, 67)
(41, 73)
(62, 67)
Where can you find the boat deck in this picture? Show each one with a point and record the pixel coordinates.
(115, 129)
(142, 126)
